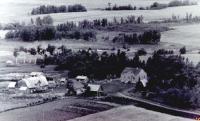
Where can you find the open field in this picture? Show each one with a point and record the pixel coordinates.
(11, 9)
(186, 35)
(60, 110)
(130, 113)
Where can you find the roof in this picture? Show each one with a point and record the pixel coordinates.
(144, 82)
(82, 77)
(9, 62)
(95, 87)
(36, 73)
(33, 82)
(135, 71)
(77, 84)
(12, 85)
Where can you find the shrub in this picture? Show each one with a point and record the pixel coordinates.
(141, 52)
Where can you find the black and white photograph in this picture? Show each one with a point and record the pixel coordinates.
(100, 60)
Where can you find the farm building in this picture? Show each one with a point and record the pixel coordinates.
(27, 58)
(95, 89)
(75, 87)
(33, 83)
(10, 63)
(134, 75)
(35, 74)
(82, 79)
(12, 85)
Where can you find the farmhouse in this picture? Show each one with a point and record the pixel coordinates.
(134, 75)
(36, 82)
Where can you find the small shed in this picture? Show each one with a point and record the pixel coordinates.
(95, 89)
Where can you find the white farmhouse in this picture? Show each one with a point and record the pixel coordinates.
(134, 75)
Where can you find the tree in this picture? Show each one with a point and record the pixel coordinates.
(47, 20)
(15, 54)
(183, 50)
(51, 49)
(38, 21)
(33, 51)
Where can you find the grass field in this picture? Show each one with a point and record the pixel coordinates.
(11, 10)
(60, 110)
(130, 113)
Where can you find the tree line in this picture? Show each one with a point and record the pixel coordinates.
(43, 29)
(122, 7)
(100, 23)
(154, 6)
(173, 3)
(148, 37)
(58, 9)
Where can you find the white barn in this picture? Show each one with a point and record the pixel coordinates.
(33, 83)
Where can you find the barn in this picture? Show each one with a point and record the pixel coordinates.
(33, 84)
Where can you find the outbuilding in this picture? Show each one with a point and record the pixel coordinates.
(82, 79)
(75, 87)
(95, 89)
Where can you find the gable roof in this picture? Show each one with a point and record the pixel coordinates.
(82, 77)
(135, 71)
(95, 87)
